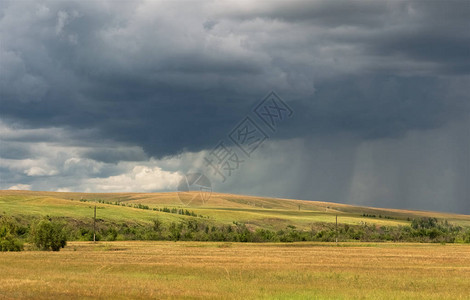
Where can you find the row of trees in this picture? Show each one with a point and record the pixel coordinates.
(201, 230)
(52, 234)
(324, 232)
(173, 210)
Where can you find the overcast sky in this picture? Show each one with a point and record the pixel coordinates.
(130, 95)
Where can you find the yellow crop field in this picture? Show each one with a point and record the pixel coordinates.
(195, 270)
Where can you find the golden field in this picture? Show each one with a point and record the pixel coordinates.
(193, 270)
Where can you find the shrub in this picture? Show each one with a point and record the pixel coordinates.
(8, 241)
(47, 235)
(467, 236)
(175, 231)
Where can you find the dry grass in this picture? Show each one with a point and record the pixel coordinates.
(224, 270)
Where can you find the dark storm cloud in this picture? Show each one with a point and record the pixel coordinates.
(327, 13)
(382, 106)
(81, 65)
(433, 31)
(15, 151)
(163, 78)
(425, 170)
(108, 155)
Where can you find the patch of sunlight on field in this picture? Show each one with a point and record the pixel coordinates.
(277, 219)
(42, 206)
(269, 213)
(238, 271)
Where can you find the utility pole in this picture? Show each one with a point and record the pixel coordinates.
(94, 226)
(336, 230)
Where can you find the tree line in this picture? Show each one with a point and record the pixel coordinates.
(52, 233)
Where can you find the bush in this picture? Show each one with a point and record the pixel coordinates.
(466, 238)
(47, 235)
(8, 242)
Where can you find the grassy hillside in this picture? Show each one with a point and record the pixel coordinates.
(255, 212)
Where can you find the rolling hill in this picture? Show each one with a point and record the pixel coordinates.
(255, 212)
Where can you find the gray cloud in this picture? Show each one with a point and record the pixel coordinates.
(423, 169)
(112, 85)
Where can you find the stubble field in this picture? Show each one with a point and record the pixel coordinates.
(233, 270)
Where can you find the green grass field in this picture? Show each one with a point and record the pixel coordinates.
(255, 212)
(195, 270)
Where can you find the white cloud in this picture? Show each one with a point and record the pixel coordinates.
(82, 165)
(139, 179)
(62, 18)
(20, 187)
(38, 171)
(62, 166)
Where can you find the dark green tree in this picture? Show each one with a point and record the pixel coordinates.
(8, 241)
(48, 235)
